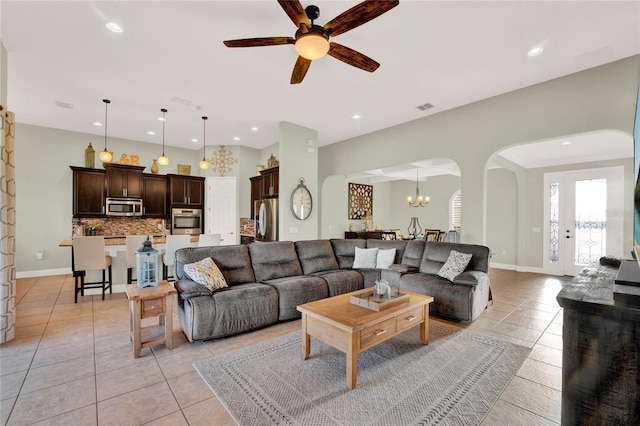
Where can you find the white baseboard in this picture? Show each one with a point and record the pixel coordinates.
(43, 273)
(518, 268)
(502, 266)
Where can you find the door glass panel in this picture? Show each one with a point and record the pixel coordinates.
(591, 220)
(554, 222)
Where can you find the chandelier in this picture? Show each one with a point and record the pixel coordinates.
(420, 201)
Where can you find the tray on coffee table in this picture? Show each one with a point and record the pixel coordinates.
(366, 300)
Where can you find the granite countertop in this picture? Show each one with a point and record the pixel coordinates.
(120, 240)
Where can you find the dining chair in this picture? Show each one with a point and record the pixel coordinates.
(174, 242)
(87, 255)
(207, 240)
(134, 242)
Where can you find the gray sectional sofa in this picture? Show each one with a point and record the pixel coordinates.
(267, 280)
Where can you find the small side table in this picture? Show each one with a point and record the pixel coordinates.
(150, 302)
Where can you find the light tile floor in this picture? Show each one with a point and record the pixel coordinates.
(72, 364)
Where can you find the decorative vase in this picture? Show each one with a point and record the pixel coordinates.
(154, 167)
(90, 157)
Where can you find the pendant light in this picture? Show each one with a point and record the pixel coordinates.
(420, 201)
(163, 160)
(105, 155)
(204, 164)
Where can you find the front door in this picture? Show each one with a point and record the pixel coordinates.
(583, 213)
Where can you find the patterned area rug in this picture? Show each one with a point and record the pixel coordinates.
(452, 381)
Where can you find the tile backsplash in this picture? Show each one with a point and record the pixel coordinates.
(118, 226)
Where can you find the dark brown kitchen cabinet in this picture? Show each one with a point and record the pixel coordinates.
(88, 192)
(154, 198)
(124, 180)
(256, 192)
(186, 191)
(270, 182)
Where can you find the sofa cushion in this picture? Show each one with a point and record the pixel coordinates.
(455, 265)
(413, 253)
(188, 289)
(316, 256)
(233, 262)
(274, 259)
(294, 291)
(449, 300)
(385, 258)
(341, 281)
(345, 251)
(206, 272)
(365, 258)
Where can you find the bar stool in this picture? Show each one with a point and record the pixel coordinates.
(174, 242)
(87, 255)
(134, 242)
(207, 240)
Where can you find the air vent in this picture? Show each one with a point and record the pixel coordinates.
(181, 100)
(425, 107)
(66, 105)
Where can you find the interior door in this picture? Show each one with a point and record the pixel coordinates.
(583, 218)
(220, 209)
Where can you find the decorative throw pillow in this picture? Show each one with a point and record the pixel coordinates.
(365, 258)
(207, 273)
(385, 258)
(455, 265)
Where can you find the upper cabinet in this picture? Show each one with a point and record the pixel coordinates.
(88, 192)
(154, 199)
(124, 180)
(256, 193)
(186, 191)
(270, 182)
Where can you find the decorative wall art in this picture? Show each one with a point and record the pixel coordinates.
(221, 161)
(360, 200)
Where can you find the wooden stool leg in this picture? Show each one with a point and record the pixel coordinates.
(104, 283)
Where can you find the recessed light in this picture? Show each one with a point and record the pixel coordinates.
(194, 140)
(235, 138)
(254, 129)
(97, 123)
(151, 132)
(565, 143)
(162, 119)
(535, 51)
(112, 26)
(356, 116)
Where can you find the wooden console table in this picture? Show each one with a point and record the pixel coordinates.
(600, 353)
(376, 235)
(150, 302)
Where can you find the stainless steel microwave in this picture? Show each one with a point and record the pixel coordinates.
(124, 206)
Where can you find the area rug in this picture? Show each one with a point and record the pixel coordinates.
(452, 381)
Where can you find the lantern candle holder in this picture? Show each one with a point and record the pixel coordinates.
(147, 265)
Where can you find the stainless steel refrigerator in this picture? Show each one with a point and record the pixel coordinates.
(266, 219)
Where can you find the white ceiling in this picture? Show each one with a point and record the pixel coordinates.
(447, 53)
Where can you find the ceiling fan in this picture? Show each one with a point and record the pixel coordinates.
(311, 41)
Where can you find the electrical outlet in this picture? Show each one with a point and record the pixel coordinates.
(39, 255)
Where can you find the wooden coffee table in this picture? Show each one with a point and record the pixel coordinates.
(354, 329)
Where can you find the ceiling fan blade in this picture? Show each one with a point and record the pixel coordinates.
(260, 41)
(300, 70)
(352, 57)
(358, 15)
(295, 11)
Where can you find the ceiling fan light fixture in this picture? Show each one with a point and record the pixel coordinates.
(312, 45)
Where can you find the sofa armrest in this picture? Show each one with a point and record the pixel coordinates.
(472, 278)
(403, 269)
(188, 289)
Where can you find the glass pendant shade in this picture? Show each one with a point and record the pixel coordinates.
(105, 155)
(163, 160)
(204, 164)
(312, 46)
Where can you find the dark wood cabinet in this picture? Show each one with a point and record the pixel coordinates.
(270, 182)
(186, 191)
(154, 199)
(256, 193)
(377, 235)
(88, 192)
(124, 180)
